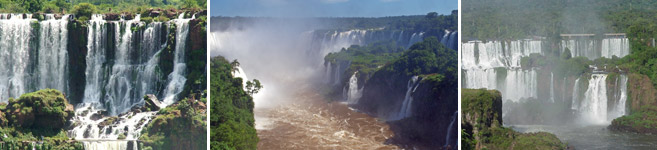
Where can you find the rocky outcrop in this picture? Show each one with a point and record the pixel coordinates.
(420, 81)
(641, 92)
(43, 109)
(151, 103)
(179, 126)
(481, 122)
(643, 107)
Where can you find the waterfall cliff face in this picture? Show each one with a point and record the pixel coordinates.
(324, 42)
(33, 55)
(121, 63)
(593, 99)
(596, 48)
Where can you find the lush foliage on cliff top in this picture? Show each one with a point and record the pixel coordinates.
(231, 120)
(103, 6)
(482, 112)
(36, 116)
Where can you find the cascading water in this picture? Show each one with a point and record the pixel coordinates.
(354, 93)
(593, 48)
(15, 32)
(52, 53)
(496, 65)
(552, 87)
(575, 103)
(407, 104)
(594, 107)
(119, 77)
(450, 127)
(177, 78)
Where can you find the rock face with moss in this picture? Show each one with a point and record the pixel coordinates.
(481, 125)
(43, 109)
(179, 126)
(37, 116)
(416, 94)
(643, 107)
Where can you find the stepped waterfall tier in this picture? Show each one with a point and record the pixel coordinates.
(112, 68)
(541, 92)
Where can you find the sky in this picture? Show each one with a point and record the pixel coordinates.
(329, 8)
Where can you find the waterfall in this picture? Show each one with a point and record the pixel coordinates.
(90, 123)
(110, 145)
(53, 54)
(354, 93)
(407, 104)
(120, 86)
(15, 34)
(593, 48)
(450, 127)
(552, 87)
(575, 103)
(514, 84)
(619, 47)
(176, 78)
(593, 108)
(328, 70)
(96, 57)
(620, 97)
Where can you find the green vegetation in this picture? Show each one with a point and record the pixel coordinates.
(643, 121)
(231, 120)
(36, 116)
(103, 6)
(426, 57)
(179, 126)
(482, 125)
(366, 59)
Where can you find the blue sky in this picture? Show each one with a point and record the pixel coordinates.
(329, 8)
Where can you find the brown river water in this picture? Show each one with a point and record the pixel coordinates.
(312, 122)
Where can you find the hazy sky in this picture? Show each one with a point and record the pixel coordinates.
(329, 8)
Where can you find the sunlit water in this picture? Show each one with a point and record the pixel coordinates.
(311, 122)
(594, 137)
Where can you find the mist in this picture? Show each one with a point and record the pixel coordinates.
(272, 51)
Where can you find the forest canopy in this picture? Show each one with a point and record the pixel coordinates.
(103, 6)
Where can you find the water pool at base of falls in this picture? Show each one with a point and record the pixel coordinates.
(593, 137)
(312, 123)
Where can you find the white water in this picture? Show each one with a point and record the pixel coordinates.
(575, 103)
(53, 53)
(495, 65)
(593, 49)
(619, 47)
(620, 97)
(110, 145)
(514, 84)
(354, 93)
(89, 121)
(406, 108)
(451, 126)
(14, 55)
(552, 87)
(593, 109)
(177, 77)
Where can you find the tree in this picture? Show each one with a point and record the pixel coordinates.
(234, 65)
(432, 15)
(253, 87)
(84, 10)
